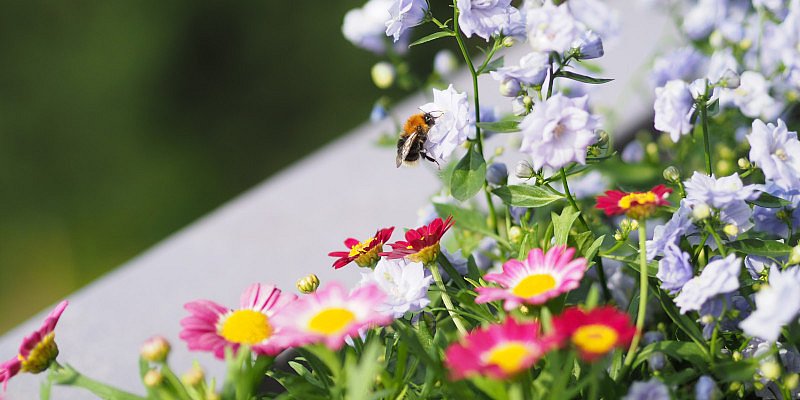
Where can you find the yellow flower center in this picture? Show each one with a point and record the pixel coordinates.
(426, 255)
(781, 154)
(42, 355)
(638, 198)
(246, 327)
(359, 248)
(331, 321)
(595, 338)
(509, 356)
(533, 285)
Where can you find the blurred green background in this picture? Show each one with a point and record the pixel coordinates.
(121, 122)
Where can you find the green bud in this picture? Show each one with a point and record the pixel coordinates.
(791, 381)
(602, 137)
(701, 212)
(671, 174)
(731, 230)
(153, 378)
(509, 41)
(515, 234)
(524, 170)
(744, 163)
(383, 74)
(737, 356)
(194, 376)
(652, 150)
(155, 349)
(794, 256)
(735, 386)
(771, 370)
(308, 284)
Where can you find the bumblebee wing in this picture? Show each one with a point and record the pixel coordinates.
(403, 151)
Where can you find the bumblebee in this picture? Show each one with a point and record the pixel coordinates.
(411, 145)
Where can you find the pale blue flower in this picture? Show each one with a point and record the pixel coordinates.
(777, 152)
(670, 233)
(589, 46)
(453, 124)
(485, 18)
(633, 152)
(718, 277)
(738, 214)
(674, 270)
(752, 97)
(674, 106)
(405, 14)
(483, 254)
(403, 282)
(497, 173)
(706, 389)
(445, 62)
(552, 28)
(776, 305)
(718, 193)
(653, 389)
(365, 26)
(378, 113)
(704, 17)
(531, 71)
(776, 221)
(558, 131)
(656, 360)
(597, 16)
(684, 63)
(716, 306)
(720, 62)
(756, 265)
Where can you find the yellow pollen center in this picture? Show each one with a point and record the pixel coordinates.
(41, 356)
(509, 356)
(246, 327)
(360, 247)
(638, 198)
(781, 154)
(533, 285)
(595, 338)
(331, 321)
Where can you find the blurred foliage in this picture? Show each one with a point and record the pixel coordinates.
(121, 122)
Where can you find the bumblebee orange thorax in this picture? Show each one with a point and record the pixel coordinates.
(415, 123)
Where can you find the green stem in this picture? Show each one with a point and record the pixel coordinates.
(704, 117)
(717, 239)
(643, 281)
(448, 303)
(68, 376)
(550, 83)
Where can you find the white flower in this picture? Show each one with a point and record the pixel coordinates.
(718, 277)
(776, 305)
(597, 16)
(405, 14)
(403, 282)
(558, 131)
(777, 152)
(752, 97)
(673, 106)
(552, 28)
(452, 125)
(364, 27)
(721, 62)
(485, 18)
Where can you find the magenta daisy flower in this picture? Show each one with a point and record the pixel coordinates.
(37, 351)
(499, 351)
(212, 327)
(331, 315)
(421, 244)
(365, 253)
(534, 281)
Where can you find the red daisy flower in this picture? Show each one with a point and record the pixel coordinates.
(421, 244)
(365, 253)
(635, 205)
(594, 333)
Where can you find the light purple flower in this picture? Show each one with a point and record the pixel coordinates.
(558, 131)
(718, 277)
(704, 17)
(531, 70)
(365, 26)
(653, 389)
(674, 106)
(597, 16)
(718, 193)
(404, 283)
(755, 265)
(674, 269)
(721, 62)
(452, 126)
(633, 152)
(684, 63)
(405, 14)
(777, 152)
(705, 389)
(776, 221)
(670, 233)
(552, 28)
(776, 305)
(752, 97)
(485, 18)
(589, 46)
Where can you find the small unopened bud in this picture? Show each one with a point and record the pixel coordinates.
(771, 370)
(524, 170)
(791, 381)
(671, 174)
(153, 378)
(716, 39)
(634, 224)
(515, 234)
(618, 236)
(730, 79)
(194, 376)
(602, 137)
(744, 163)
(498, 151)
(155, 349)
(652, 150)
(383, 74)
(510, 87)
(701, 212)
(707, 319)
(745, 44)
(527, 101)
(735, 386)
(308, 284)
(589, 46)
(794, 255)
(497, 174)
(731, 230)
(737, 356)
(509, 41)
(724, 167)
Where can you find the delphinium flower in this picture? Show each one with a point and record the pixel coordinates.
(588, 46)
(531, 71)
(674, 106)
(596, 332)
(365, 253)
(331, 315)
(778, 221)
(499, 350)
(403, 282)
(484, 18)
(365, 26)
(678, 226)
(720, 276)
(769, 365)
(453, 123)
(535, 280)
(777, 305)
(706, 388)
(636, 205)
(704, 17)
(37, 351)
(674, 270)
(421, 244)
(653, 389)
(727, 195)
(212, 327)
(752, 97)
(596, 15)
(777, 152)
(552, 28)
(720, 63)
(405, 14)
(684, 64)
(558, 131)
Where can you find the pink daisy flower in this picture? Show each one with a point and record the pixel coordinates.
(212, 327)
(534, 281)
(594, 333)
(37, 351)
(498, 351)
(331, 315)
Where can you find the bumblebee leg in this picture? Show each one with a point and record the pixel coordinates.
(429, 158)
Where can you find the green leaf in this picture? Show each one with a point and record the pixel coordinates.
(361, 375)
(432, 36)
(767, 248)
(582, 78)
(469, 175)
(507, 126)
(767, 200)
(492, 66)
(590, 252)
(687, 325)
(467, 219)
(683, 351)
(742, 370)
(563, 223)
(527, 195)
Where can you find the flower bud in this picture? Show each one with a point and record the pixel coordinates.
(383, 74)
(194, 376)
(716, 39)
(735, 386)
(518, 105)
(707, 319)
(737, 356)
(791, 381)
(308, 284)
(706, 389)
(770, 370)
(515, 234)
(602, 137)
(730, 79)
(498, 151)
(378, 113)
(509, 41)
(618, 236)
(588, 47)
(509, 87)
(701, 212)
(794, 255)
(724, 167)
(445, 62)
(671, 174)
(745, 44)
(731, 230)
(527, 101)
(497, 174)
(652, 150)
(744, 163)
(155, 349)
(153, 378)
(524, 170)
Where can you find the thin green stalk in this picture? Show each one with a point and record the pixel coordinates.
(552, 79)
(448, 303)
(68, 376)
(704, 117)
(643, 281)
(717, 239)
